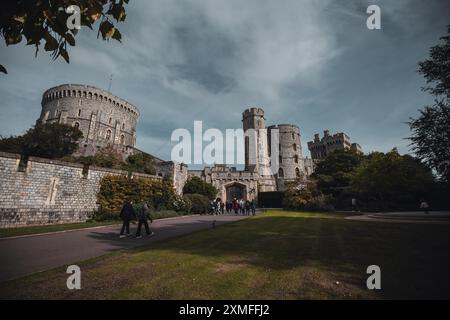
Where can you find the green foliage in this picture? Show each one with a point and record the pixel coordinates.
(45, 22)
(391, 181)
(304, 195)
(430, 138)
(195, 185)
(115, 190)
(199, 203)
(140, 162)
(334, 173)
(106, 157)
(51, 140)
(436, 69)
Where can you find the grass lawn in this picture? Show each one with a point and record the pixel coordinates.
(21, 231)
(278, 255)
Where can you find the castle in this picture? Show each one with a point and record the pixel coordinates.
(48, 191)
(257, 178)
(107, 120)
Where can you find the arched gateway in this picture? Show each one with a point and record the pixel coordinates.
(235, 190)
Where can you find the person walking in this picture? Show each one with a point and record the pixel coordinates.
(235, 206)
(142, 216)
(247, 208)
(222, 207)
(127, 214)
(253, 206)
(424, 206)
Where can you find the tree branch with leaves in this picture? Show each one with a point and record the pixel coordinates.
(44, 23)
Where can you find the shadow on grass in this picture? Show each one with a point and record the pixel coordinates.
(414, 259)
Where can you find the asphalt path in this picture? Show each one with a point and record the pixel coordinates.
(25, 255)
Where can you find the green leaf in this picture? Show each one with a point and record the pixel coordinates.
(107, 30)
(51, 44)
(64, 54)
(70, 39)
(117, 35)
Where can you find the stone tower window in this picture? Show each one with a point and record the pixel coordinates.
(123, 126)
(280, 173)
(296, 158)
(280, 159)
(122, 139)
(76, 125)
(110, 120)
(108, 135)
(294, 146)
(79, 112)
(297, 172)
(293, 136)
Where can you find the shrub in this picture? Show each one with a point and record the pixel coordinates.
(195, 185)
(199, 202)
(114, 190)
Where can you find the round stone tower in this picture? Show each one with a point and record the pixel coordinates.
(104, 119)
(290, 157)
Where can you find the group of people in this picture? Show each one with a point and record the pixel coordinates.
(129, 214)
(243, 207)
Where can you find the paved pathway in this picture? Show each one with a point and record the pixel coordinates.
(25, 255)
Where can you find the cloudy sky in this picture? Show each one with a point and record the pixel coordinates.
(308, 62)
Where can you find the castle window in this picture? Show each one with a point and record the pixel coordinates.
(294, 146)
(56, 112)
(108, 135)
(110, 120)
(293, 136)
(280, 173)
(76, 125)
(79, 94)
(280, 159)
(84, 94)
(297, 172)
(46, 116)
(90, 95)
(74, 93)
(123, 126)
(95, 96)
(296, 158)
(122, 139)
(79, 112)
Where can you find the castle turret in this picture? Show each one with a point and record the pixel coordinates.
(256, 148)
(104, 119)
(290, 159)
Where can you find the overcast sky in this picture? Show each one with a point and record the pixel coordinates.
(310, 63)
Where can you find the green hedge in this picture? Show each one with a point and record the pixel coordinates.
(199, 203)
(159, 194)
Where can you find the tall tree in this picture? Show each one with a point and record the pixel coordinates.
(45, 21)
(333, 174)
(431, 130)
(52, 140)
(392, 181)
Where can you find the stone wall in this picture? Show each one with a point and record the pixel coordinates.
(48, 191)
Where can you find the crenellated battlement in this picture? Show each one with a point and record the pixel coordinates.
(88, 92)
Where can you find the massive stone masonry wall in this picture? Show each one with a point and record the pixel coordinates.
(48, 191)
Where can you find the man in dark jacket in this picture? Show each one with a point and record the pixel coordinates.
(142, 216)
(127, 214)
